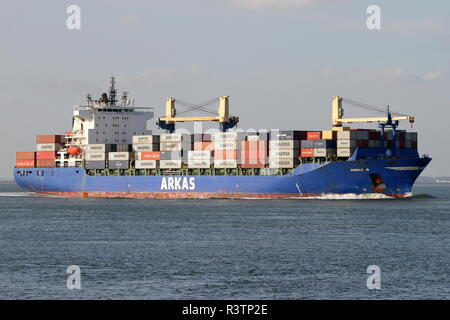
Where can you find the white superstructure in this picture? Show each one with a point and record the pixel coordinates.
(104, 121)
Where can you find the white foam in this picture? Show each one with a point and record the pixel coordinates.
(18, 194)
(331, 196)
(353, 196)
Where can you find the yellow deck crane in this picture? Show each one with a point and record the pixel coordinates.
(338, 113)
(222, 115)
(383, 122)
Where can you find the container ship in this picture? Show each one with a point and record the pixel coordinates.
(111, 151)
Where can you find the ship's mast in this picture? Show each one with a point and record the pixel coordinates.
(112, 92)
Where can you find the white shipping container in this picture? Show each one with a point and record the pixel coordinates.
(281, 163)
(225, 145)
(148, 139)
(47, 146)
(95, 156)
(95, 148)
(324, 152)
(199, 155)
(227, 136)
(345, 152)
(145, 147)
(170, 137)
(346, 135)
(283, 153)
(145, 164)
(171, 146)
(284, 144)
(252, 138)
(346, 143)
(199, 164)
(225, 163)
(119, 156)
(170, 164)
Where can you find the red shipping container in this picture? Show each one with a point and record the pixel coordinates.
(45, 155)
(414, 144)
(50, 138)
(252, 154)
(314, 135)
(45, 164)
(254, 145)
(225, 154)
(203, 146)
(25, 164)
(25, 156)
(402, 144)
(150, 155)
(306, 152)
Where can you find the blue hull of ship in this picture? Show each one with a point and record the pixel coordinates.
(339, 177)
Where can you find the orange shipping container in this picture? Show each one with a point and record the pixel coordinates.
(203, 146)
(49, 138)
(150, 155)
(25, 164)
(225, 154)
(45, 155)
(45, 164)
(25, 156)
(306, 153)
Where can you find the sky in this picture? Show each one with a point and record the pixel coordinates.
(281, 61)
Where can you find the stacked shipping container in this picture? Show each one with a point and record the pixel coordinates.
(46, 149)
(146, 150)
(284, 148)
(222, 150)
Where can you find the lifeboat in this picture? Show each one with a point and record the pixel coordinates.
(73, 150)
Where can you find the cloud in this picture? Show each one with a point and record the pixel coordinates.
(130, 19)
(432, 75)
(260, 4)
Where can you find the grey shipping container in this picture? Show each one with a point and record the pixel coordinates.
(307, 144)
(287, 135)
(94, 165)
(171, 155)
(118, 164)
(324, 143)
